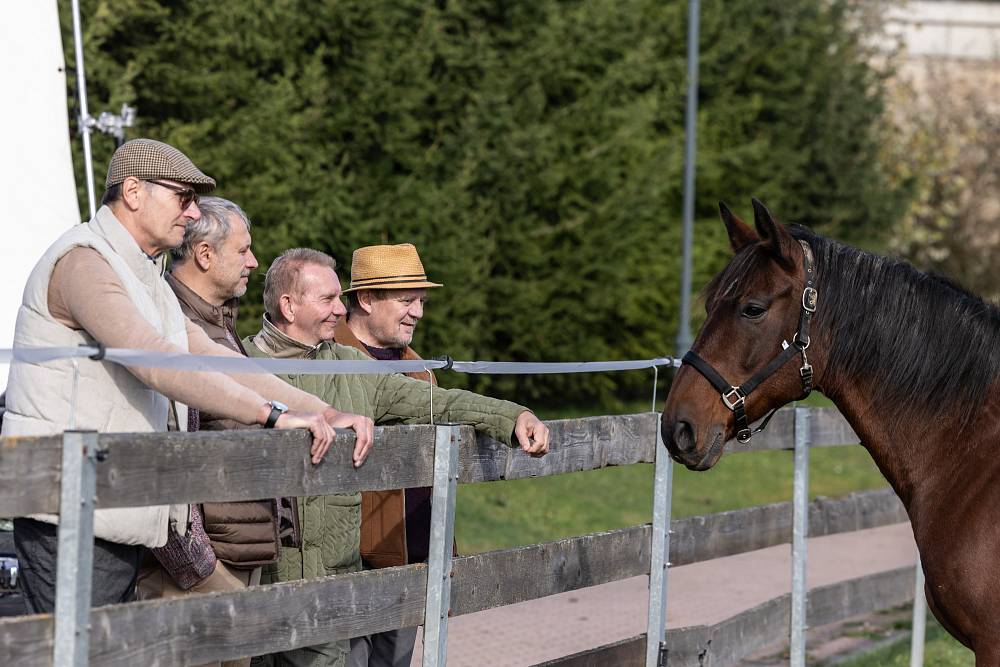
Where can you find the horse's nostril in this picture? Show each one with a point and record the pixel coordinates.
(684, 436)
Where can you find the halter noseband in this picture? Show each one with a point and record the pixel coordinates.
(735, 397)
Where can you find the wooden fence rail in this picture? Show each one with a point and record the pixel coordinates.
(141, 469)
(310, 612)
(161, 468)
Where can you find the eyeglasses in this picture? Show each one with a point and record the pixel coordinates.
(186, 195)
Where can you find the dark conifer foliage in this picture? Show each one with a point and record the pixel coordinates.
(532, 150)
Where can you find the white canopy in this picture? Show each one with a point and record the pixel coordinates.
(36, 168)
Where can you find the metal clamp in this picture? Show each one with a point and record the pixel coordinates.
(731, 403)
(101, 350)
(809, 298)
(112, 124)
(448, 362)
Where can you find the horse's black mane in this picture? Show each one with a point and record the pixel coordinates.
(922, 341)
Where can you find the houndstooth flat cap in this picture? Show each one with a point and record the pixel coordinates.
(148, 159)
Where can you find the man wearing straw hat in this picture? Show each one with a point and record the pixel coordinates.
(302, 309)
(101, 283)
(384, 304)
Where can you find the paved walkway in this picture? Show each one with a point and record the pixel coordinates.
(699, 594)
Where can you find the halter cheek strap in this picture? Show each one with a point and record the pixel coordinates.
(735, 397)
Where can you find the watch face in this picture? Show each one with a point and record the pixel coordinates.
(278, 405)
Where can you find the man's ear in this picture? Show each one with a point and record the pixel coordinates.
(132, 191)
(365, 298)
(740, 234)
(203, 253)
(777, 241)
(287, 306)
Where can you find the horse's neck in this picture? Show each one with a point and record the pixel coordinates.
(924, 457)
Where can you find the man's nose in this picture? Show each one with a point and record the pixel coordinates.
(417, 309)
(251, 260)
(338, 307)
(192, 211)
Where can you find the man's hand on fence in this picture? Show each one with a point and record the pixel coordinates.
(532, 434)
(363, 426)
(321, 431)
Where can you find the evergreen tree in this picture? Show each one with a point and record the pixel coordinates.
(532, 151)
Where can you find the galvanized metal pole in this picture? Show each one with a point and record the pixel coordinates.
(684, 339)
(438, 604)
(800, 529)
(659, 556)
(84, 119)
(76, 549)
(919, 619)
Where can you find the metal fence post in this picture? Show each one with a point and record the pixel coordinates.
(76, 549)
(800, 530)
(919, 619)
(438, 605)
(659, 554)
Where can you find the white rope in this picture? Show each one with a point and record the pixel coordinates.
(222, 364)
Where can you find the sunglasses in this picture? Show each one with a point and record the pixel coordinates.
(186, 195)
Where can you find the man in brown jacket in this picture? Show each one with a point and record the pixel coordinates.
(229, 542)
(384, 304)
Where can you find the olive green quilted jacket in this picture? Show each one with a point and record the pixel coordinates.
(331, 525)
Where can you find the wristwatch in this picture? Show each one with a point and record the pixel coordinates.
(277, 409)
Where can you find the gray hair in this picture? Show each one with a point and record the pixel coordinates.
(283, 276)
(211, 228)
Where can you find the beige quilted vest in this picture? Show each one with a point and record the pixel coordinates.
(109, 398)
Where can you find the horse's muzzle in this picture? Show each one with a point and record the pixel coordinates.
(681, 440)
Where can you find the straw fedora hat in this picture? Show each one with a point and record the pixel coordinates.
(388, 267)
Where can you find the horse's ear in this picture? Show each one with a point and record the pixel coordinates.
(740, 233)
(774, 236)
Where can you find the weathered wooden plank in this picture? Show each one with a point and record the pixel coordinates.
(622, 653)
(855, 511)
(729, 642)
(29, 475)
(827, 428)
(222, 626)
(507, 577)
(160, 468)
(229, 465)
(577, 444)
(259, 620)
(701, 538)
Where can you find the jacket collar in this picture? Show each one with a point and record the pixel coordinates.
(221, 316)
(275, 343)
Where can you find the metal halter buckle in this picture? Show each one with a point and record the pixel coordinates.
(744, 436)
(809, 297)
(806, 373)
(731, 403)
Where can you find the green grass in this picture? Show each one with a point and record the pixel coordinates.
(940, 650)
(500, 515)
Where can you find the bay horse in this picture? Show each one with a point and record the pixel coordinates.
(911, 360)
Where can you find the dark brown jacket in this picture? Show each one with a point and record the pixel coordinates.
(243, 534)
(385, 517)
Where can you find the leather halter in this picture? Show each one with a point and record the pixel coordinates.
(735, 397)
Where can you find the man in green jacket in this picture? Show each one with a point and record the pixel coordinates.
(302, 306)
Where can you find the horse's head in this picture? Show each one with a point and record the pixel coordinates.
(737, 371)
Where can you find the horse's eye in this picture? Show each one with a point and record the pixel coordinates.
(753, 311)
